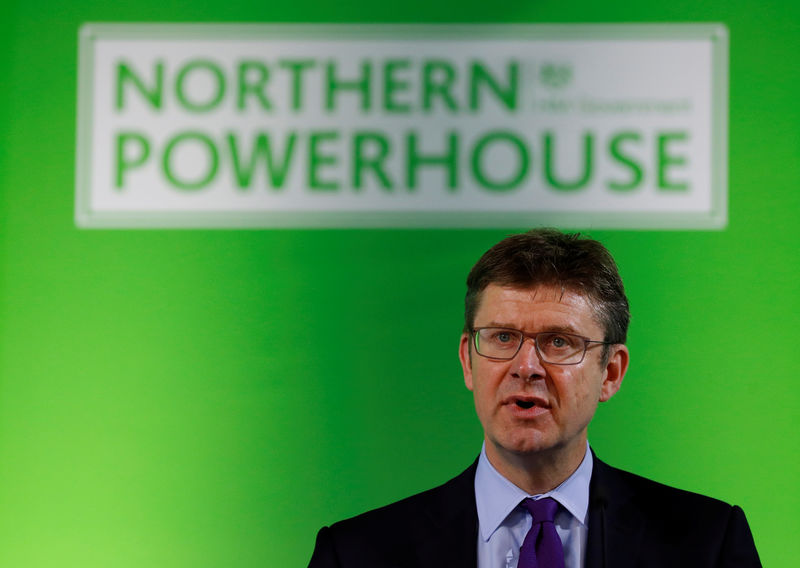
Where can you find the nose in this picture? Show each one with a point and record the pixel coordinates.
(527, 364)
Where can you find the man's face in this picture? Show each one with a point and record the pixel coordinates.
(564, 397)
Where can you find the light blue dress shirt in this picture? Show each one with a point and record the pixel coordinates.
(502, 524)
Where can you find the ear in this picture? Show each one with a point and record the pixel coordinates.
(615, 371)
(466, 359)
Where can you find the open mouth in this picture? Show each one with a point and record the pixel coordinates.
(528, 402)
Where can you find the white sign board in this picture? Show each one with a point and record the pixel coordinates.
(600, 126)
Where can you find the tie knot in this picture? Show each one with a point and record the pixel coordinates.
(542, 510)
(542, 546)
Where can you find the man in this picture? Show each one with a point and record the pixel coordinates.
(546, 319)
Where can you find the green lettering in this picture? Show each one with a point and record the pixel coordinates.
(665, 160)
(414, 160)
(374, 163)
(615, 149)
(217, 92)
(549, 167)
(213, 162)
(437, 81)
(247, 86)
(296, 67)
(391, 85)
(523, 159)
(125, 161)
(480, 75)
(153, 94)
(360, 85)
(277, 169)
(316, 160)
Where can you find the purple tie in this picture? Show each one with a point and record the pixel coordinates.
(542, 546)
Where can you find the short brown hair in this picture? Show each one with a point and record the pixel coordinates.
(552, 258)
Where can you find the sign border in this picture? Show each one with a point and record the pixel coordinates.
(716, 218)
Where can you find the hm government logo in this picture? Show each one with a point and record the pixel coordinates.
(555, 75)
(600, 126)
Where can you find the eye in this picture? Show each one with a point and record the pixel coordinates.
(559, 341)
(502, 337)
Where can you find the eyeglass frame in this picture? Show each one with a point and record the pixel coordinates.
(525, 335)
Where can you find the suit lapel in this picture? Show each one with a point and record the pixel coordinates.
(616, 526)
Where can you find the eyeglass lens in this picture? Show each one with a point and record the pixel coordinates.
(553, 347)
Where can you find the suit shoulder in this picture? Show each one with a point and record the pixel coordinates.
(426, 505)
(404, 508)
(661, 493)
(401, 533)
(671, 521)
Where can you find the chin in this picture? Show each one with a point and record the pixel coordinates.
(527, 444)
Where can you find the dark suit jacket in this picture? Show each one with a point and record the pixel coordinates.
(633, 522)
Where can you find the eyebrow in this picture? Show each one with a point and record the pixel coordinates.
(562, 328)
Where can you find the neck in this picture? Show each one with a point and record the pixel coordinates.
(537, 472)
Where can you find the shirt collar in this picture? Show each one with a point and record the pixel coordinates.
(496, 496)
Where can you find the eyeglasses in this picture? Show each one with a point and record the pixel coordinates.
(554, 347)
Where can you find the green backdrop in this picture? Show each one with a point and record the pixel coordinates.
(183, 398)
